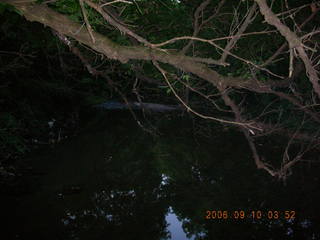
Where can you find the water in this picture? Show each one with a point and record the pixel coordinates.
(114, 181)
(175, 227)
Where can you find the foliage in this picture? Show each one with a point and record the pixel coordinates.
(45, 91)
(6, 7)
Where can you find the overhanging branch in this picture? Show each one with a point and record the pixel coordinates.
(61, 23)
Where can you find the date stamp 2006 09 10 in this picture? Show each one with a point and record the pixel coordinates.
(256, 214)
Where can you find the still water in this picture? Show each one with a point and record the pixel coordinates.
(115, 181)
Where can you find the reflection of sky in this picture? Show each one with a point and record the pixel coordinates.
(175, 227)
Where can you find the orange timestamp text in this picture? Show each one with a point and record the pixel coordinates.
(254, 214)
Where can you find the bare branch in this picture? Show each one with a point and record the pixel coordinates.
(233, 41)
(116, 1)
(204, 96)
(207, 40)
(110, 20)
(285, 44)
(294, 42)
(86, 21)
(164, 74)
(196, 28)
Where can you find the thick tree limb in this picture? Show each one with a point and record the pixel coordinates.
(62, 24)
(294, 43)
(284, 45)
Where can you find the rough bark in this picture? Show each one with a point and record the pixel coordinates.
(294, 42)
(62, 24)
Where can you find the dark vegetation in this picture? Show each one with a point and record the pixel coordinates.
(56, 73)
(40, 82)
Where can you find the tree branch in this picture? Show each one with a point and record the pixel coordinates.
(294, 43)
(241, 30)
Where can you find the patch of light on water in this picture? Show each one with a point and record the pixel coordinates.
(175, 227)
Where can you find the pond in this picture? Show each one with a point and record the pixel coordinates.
(116, 181)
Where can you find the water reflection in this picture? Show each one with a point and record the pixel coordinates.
(175, 227)
(116, 182)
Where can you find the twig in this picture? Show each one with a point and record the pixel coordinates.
(115, 1)
(110, 20)
(155, 63)
(294, 42)
(86, 21)
(250, 17)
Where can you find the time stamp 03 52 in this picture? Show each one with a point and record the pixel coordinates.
(256, 214)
